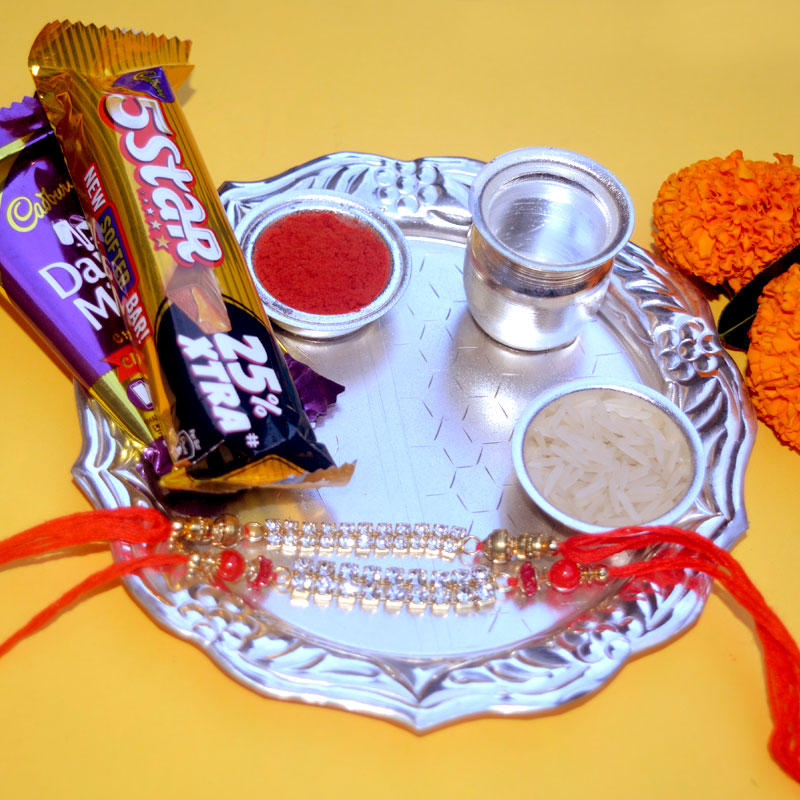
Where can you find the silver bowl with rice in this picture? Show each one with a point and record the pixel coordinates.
(595, 455)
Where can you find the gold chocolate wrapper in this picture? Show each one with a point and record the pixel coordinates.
(227, 405)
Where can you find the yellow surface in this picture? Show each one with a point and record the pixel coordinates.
(103, 703)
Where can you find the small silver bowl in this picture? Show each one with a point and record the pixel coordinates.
(546, 227)
(326, 326)
(676, 425)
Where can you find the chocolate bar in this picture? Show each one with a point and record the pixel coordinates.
(222, 392)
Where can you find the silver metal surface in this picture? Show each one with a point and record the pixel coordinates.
(428, 413)
(327, 326)
(547, 224)
(569, 524)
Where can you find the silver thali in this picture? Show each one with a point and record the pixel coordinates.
(427, 415)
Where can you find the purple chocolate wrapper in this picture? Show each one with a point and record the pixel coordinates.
(316, 391)
(49, 266)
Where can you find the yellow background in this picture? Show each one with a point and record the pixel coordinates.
(103, 703)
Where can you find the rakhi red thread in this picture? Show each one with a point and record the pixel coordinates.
(321, 262)
(781, 654)
(143, 526)
(584, 554)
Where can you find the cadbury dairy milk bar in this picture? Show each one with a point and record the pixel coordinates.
(51, 272)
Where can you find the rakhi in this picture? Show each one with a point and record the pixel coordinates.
(309, 575)
(211, 550)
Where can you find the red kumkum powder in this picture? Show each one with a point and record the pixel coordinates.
(321, 262)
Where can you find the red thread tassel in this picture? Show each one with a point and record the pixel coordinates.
(781, 654)
(134, 525)
(144, 526)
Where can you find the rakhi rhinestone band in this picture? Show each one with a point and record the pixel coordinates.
(507, 563)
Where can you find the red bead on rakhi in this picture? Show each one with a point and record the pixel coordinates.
(564, 575)
(231, 565)
(527, 579)
(265, 572)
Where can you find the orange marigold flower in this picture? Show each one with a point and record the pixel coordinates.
(773, 374)
(725, 219)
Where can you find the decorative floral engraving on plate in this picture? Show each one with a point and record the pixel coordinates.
(428, 411)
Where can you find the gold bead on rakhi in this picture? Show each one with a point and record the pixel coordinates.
(499, 547)
(198, 530)
(253, 532)
(225, 531)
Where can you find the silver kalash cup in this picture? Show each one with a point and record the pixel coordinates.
(546, 226)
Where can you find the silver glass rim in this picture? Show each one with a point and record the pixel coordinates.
(553, 161)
